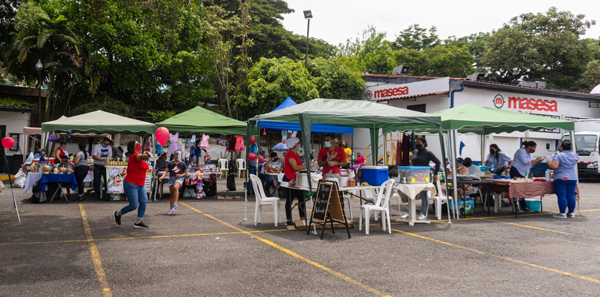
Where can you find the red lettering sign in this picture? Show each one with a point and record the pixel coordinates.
(392, 92)
(532, 104)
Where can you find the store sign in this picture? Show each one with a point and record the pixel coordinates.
(391, 91)
(525, 103)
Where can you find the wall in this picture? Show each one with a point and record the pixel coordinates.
(14, 122)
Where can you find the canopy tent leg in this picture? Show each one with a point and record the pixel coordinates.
(574, 147)
(248, 133)
(374, 144)
(441, 135)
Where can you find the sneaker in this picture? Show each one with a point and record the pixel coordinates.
(570, 215)
(559, 216)
(140, 225)
(404, 216)
(117, 218)
(422, 217)
(170, 212)
(526, 209)
(174, 208)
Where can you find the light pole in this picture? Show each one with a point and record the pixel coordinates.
(307, 16)
(39, 66)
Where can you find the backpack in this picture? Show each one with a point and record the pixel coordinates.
(38, 195)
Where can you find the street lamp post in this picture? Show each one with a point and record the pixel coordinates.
(39, 66)
(307, 16)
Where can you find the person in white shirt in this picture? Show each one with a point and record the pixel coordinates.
(102, 152)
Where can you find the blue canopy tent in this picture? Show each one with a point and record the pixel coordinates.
(316, 128)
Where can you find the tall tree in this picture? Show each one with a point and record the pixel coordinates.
(335, 79)
(417, 38)
(539, 47)
(372, 51)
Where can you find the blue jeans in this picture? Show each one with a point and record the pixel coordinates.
(252, 171)
(565, 192)
(99, 172)
(136, 196)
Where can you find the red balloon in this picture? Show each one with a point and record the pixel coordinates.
(261, 159)
(162, 135)
(252, 140)
(251, 156)
(8, 142)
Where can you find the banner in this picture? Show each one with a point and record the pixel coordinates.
(116, 175)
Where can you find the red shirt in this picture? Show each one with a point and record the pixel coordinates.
(136, 171)
(341, 156)
(289, 171)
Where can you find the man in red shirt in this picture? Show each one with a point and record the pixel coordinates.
(331, 156)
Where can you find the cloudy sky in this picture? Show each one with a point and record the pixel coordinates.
(337, 20)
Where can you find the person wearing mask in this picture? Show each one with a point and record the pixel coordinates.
(60, 151)
(348, 152)
(134, 184)
(100, 154)
(81, 169)
(293, 164)
(498, 160)
(120, 153)
(271, 167)
(177, 171)
(522, 164)
(472, 168)
(565, 179)
(422, 157)
(331, 157)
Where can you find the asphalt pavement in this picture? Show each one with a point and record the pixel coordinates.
(208, 249)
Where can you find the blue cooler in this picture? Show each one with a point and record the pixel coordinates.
(375, 175)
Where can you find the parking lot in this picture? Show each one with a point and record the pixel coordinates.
(208, 249)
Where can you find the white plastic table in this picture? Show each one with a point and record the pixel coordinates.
(411, 191)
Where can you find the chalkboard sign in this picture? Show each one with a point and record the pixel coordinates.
(322, 201)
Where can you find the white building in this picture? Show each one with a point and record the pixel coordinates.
(431, 94)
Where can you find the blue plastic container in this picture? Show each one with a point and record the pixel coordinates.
(375, 175)
(533, 204)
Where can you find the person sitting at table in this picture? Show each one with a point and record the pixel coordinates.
(64, 163)
(521, 166)
(469, 164)
(60, 151)
(293, 164)
(360, 161)
(270, 167)
(331, 157)
(422, 157)
(40, 154)
(177, 171)
(565, 179)
(498, 160)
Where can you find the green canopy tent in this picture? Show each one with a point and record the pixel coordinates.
(352, 113)
(203, 120)
(483, 120)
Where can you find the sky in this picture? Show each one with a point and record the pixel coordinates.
(337, 20)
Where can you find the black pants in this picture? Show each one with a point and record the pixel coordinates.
(80, 174)
(514, 173)
(291, 194)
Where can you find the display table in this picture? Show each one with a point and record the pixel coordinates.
(32, 178)
(411, 191)
(61, 179)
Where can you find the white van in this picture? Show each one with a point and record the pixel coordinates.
(587, 145)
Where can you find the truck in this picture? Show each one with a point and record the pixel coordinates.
(587, 143)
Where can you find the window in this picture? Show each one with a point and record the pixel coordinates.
(417, 107)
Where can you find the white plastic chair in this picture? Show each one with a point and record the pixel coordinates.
(382, 204)
(224, 166)
(439, 198)
(262, 199)
(241, 165)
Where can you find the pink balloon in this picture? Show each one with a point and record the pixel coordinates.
(261, 159)
(251, 156)
(252, 140)
(8, 142)
(162, 135)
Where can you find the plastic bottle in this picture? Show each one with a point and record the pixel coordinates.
(404, 179)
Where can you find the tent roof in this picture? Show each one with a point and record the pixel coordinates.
(316, 128)
(98, 122)
(199, 119)
(479, 119)
(354, 113)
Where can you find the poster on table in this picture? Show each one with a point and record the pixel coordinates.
(116, 175)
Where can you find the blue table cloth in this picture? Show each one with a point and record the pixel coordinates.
(64, 178)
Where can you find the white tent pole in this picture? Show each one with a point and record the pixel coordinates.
(574, 147)
(453, 162)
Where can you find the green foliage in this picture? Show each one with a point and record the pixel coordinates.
(160, 116)
(335, 79)
(417, 38)
(105, 103)
(269, 82)
(15, 103)
(443, 60)
(372, 53)
(539, 46)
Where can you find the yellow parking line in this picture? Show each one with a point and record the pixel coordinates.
(589, 279)
(545, 229)
(293, 254)
(95, 254)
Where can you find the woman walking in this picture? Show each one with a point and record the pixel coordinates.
(565, 179)
(81, 169)
(134, 184)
